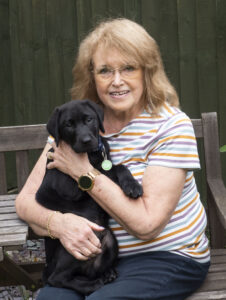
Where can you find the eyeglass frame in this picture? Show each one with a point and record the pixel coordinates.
(112, 71)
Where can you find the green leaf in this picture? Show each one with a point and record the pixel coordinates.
(223, 148)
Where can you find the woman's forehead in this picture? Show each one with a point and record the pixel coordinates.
(110, 56)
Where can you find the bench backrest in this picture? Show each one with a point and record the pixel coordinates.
(21, 139)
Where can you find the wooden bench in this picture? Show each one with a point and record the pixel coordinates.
(14, 232)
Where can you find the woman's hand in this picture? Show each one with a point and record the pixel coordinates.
(77, 235)
(65, 159)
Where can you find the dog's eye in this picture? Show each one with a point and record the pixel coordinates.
(68, 123)
(89, 119)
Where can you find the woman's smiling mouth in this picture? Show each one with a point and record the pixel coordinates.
(118, 94)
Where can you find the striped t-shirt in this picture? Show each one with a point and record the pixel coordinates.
(164, 140)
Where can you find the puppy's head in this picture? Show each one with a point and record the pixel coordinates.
(77, 123)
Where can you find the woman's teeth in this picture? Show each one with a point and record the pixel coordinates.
(119, 93)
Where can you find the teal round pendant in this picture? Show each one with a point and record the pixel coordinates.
(106, 165)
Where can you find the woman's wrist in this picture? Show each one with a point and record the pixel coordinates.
(54, 224)
(77, 173)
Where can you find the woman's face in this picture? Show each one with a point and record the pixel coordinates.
(119, 84)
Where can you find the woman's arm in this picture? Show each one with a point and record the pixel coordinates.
(75, 233)
(26, 206)
(147, 216)
(144, 217)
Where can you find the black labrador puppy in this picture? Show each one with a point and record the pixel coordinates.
(78, 123)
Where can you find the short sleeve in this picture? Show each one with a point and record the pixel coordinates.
(175, 144)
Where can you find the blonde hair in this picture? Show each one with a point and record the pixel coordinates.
(132, 41)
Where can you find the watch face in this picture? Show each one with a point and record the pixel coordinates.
(85, 182)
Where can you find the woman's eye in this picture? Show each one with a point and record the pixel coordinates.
(104, 71)
(129, 68)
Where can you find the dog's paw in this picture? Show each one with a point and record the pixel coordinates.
(132, 189)
(110, 276)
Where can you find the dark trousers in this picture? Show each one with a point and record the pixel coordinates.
(155, 275)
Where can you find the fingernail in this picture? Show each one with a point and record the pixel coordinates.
(101, 227)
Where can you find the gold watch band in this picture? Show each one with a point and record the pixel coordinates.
(94, 173)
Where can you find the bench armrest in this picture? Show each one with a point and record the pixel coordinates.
(218, 193)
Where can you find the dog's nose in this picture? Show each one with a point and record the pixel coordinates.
(86, 139)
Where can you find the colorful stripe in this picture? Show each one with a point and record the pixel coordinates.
(167, 140)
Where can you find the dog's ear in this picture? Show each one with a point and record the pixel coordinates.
(99, 111)
(53, 124)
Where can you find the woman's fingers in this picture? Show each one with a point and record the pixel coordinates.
(95, 226)
(61, 157)
(90, 242)
(85, 251)
(64, 158)
(80, 256)
(78, 236)
(51, 142)
(92, 249)
(49, 155)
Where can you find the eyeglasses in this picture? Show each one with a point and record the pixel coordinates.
(107, 73)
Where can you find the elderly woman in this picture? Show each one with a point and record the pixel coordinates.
(163, 250)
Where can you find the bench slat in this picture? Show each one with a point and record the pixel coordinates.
(214, 282)
(197, 124)
(7, 209)
(3, 183)
(215, 252)
(221, 295)
(7, 197)
(217, 268)
(1, 254)
(211, 145)
(22, 168)
(14, 230)
(7, 203)
(218, 259)
(13, 239)
(34, 137)
(11, 223)
(10, 216)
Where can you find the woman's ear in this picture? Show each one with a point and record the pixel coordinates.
(53, 124)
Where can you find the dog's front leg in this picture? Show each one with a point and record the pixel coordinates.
(127, 182)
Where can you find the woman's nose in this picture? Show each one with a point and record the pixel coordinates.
(117, 78)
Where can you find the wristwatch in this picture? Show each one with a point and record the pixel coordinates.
(86, 181)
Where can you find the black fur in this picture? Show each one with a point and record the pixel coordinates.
(78, 123)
